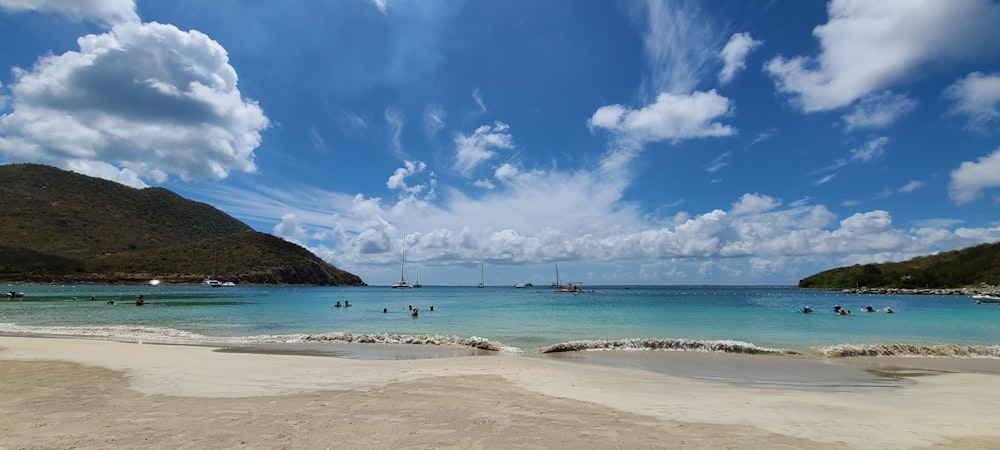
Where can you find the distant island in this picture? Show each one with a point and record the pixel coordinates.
(63, 227)
(973, 270)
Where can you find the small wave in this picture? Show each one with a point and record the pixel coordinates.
(173, 336)
(112, 332)
(691, 345)
(939, 350)
(424, 339)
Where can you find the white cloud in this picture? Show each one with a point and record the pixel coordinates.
(434, 117)
(977, 96)
(679, 43)
(394, 120)
(970, 178)
(478, 97)
(381, 5)
(290, 229)
(878, 111)
(868, 45)
(734, 55)
(754, 203)
(317, 140)
(109, 12)
(911, 186)
(153, 99)
(673, 117)
(473, 150)
(872, 150)
(398, 179)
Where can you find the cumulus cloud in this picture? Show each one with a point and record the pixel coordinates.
(976, 96)
(398, 179)
(109, 12)
(971, 178)
(866, 46)
(878, 111)
(672, 117)
(734, 55)
(150, 98)
(475, 149)
(290, 229)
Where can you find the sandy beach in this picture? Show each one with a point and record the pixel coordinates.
(75, 393)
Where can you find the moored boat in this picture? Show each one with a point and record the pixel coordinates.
(983, 298)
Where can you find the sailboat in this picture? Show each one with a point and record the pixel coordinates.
(482, 276)
(402, 275)
(416, 283)
(210, 281)
(558, 284)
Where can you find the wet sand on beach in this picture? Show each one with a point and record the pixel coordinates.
(74, 393)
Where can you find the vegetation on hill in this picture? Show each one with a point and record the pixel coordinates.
(971, 266)
(66, 227)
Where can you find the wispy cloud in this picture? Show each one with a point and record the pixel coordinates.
(394, 121)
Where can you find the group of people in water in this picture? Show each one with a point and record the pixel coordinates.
(838, 310)
(139, 300)
(414, 311)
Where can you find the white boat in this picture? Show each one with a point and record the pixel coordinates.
(212, 282)
(983, 298)
(229, 284)
(402, 283)
(519, 286)
(482, 276)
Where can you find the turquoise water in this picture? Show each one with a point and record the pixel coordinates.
(739, 319)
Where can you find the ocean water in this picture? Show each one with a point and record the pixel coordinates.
(530, 320)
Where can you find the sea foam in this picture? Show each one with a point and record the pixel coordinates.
(939, 350)
(693, 345)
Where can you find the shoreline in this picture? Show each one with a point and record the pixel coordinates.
(557, 401)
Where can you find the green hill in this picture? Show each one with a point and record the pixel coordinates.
(971, 266)
(60, 226)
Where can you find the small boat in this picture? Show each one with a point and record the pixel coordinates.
(13, 294)
(983, 298)
(557, 286)
(212, 282)
(228, 284)
(482, 276)
(402, 283)
(519, 286)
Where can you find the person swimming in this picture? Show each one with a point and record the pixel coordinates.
(337, 305)
(807, 309)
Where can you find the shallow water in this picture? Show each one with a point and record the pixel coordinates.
(730, 319)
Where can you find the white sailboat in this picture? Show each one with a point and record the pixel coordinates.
(402, 272)
(482, 276)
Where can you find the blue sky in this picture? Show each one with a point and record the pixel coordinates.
(633, 142)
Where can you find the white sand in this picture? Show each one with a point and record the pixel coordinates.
(560, 403)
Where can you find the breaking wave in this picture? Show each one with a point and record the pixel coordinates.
(939, 350)
(387, 338)
(690, 345)
(172, 336)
